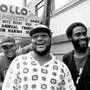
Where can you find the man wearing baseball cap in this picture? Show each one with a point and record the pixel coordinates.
(9, 52)
(39, 69)
(8, 47)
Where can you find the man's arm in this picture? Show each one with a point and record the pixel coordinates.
(24, 50)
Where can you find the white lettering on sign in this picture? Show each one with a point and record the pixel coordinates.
(13, 10)
(15, 21)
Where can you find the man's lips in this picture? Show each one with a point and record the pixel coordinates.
(82, 42)
(10, 53)
(40, 43)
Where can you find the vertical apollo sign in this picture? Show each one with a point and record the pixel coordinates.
(15, 21)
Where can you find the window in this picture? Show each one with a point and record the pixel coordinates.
(28, 2)
(39, 8)
(60, 3)
(56, 6)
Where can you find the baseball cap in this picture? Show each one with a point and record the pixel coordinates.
(40, 28)
(7, 40)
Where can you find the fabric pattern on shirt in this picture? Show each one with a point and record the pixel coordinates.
(26, 74)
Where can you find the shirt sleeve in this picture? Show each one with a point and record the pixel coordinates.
(11, 80)
(67, 83)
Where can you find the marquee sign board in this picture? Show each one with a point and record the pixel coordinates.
(16, 21)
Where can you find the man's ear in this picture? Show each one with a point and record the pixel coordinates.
(70, 38)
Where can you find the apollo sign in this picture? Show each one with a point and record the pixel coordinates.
(15, 20)
(13, 10)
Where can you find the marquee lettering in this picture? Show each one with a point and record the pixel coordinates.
(26, 28)
(22, 11)
(2, 30)
(9, 26)
(14, 31)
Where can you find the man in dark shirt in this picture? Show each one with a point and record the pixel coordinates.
(78, 60)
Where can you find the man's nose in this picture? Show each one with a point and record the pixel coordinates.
(39, 37)
(82, 36)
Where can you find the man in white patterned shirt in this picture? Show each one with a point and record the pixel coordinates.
(39, 69)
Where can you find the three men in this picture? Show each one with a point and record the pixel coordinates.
(39, 69)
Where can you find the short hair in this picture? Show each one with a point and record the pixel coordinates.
(72, 26)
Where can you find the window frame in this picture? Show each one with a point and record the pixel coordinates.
(38, 8)
(66, 7)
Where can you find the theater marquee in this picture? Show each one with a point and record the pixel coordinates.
(15, 20)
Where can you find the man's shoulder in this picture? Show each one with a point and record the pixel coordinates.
(67, 57)
(68, 54)
(23, 56)
(20, 58)
(60, 63)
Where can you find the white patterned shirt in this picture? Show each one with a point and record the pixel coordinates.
(25, 73)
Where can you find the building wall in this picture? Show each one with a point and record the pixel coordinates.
(60, 21)
(77, 12)
(59, 49)
(32, 4)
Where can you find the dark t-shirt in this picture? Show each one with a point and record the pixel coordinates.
(4, 65)
(80, 63)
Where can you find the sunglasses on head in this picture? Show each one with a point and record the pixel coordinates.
(6, 47)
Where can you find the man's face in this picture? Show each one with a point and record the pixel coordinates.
(41, 43)
(80, 39)
(9, 50)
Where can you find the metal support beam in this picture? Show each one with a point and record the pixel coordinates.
(46, 13)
